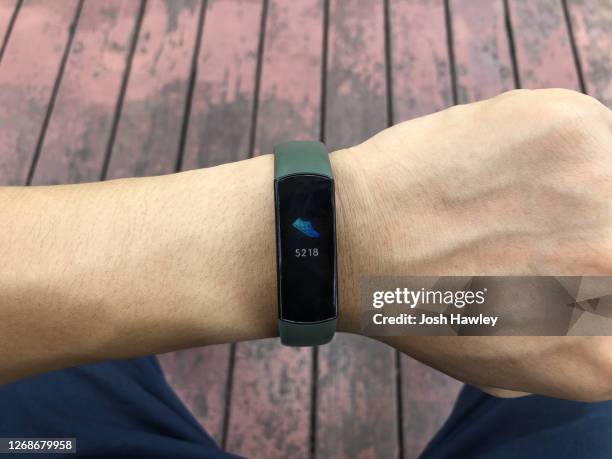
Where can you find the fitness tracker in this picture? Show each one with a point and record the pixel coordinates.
(305, 243)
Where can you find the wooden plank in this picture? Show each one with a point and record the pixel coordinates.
(271, 396)
(483, 65)
(149, 130)
(270, 401)
(592, 26)
(419, 53)
(199, 376)
(75, 144)
(28, 73)
(218, 132)
(289, 99)
(421, 85)
(357, 410)
(542, 45)
(7, 10)
(428, 397)
(356, 105)
(222, 104)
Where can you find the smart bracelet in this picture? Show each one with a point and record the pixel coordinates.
(305, 243)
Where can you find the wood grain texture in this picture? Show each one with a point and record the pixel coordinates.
(199, 376)
(542, 44)
(149, 130)
(79, 129)
(428, 398)
(7, 9)
(419, 53)
(357, 410)
(483, 65)
(28, 72)
(271, 396)
(270, 402)
(218, 132)
(289, 98)
(222, 104)
(592, 26)
(421, 85)
(356, 102)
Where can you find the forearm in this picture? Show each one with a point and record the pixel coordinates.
(134, 267)
(148, 265)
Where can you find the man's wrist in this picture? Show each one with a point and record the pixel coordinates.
(353, 237)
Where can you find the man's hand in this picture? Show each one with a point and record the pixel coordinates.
(516, 185)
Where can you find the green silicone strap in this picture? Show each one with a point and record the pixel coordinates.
(293, 334)
(303, 157)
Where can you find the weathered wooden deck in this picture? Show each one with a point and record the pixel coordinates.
(92, 90)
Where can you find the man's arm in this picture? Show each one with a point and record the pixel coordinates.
(137, 266)
(519, 184)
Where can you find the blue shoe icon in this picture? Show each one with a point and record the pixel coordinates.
(305, 227)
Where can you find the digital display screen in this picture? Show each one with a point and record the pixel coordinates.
(305, 231)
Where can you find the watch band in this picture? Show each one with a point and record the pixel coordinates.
(303, 157)
(294, 334)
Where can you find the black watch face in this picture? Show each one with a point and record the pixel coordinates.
(306, 248)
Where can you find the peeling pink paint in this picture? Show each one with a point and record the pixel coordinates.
(7, 8)
(592, 22)
(421, 72)
(199, 377)
(542, 44)
(150, 127)
(27, 74)
(482, 54)
(356, 399)
(428, 397)
(356, 41)
(229, 52)
(356, 102)
(80, 125)
(291, 74)
(164, 51)
(221, 110)
(270, 410)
